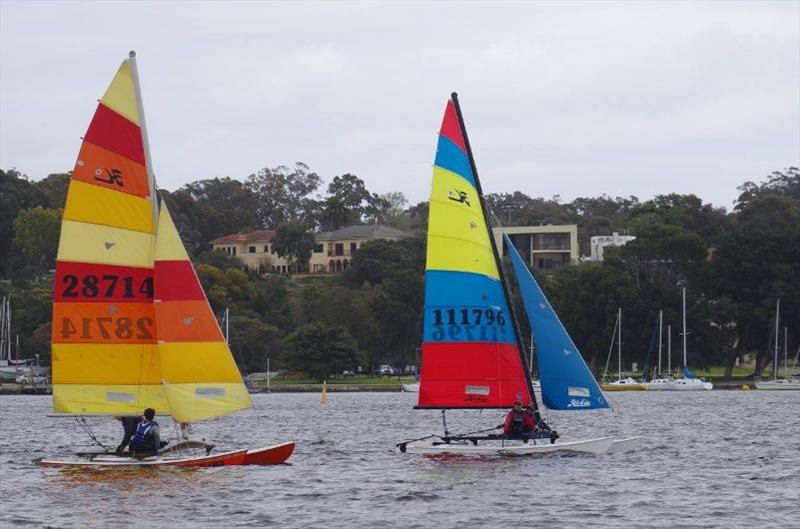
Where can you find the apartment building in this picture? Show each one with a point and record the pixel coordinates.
(545, 248)
(599, 243)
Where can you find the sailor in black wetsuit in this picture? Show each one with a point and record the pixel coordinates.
(129, 425)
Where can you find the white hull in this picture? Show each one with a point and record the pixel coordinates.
(659, 384)
(690, 384)
(627, 444)
(411, 388)
(786, 383)
(512, 448)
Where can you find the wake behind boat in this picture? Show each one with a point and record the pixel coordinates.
(472, 355)
(132, 328)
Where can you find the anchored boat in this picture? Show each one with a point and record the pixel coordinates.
(132, 328)
(472, 356)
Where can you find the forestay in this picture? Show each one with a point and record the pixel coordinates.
(567, 383)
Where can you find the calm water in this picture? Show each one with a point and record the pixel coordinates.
(718, 459)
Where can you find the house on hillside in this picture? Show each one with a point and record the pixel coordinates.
(333, 252)
(544, 247)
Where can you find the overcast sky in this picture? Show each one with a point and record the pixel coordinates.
(574, 99)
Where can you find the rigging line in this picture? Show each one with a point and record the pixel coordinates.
(87, 429)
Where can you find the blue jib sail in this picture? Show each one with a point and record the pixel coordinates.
(567, 383)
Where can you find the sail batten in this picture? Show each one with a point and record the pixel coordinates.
(470, 353)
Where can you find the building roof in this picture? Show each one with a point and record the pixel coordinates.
(362, 231)
(258, 236)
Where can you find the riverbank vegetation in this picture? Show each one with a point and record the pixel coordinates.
(734, 265)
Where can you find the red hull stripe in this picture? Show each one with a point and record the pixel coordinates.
(177, 282)
(115, 133)
(451, 128)
(472, 374)
(102, 282)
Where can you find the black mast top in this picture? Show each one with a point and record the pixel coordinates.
(513, 314)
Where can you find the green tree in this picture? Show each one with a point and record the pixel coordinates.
(252, 341)
(336, 214)
(283, 194)
(16, 193)
(295, 243)
(320, 350)
(36, 233)
(54, 188)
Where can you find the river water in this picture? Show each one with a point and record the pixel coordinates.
(711, 459)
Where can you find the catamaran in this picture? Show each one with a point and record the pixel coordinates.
(472, 355)
(132, 328)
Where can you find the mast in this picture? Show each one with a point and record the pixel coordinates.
(660, 329)
(610, 349)
(785, 350)
(619, 345)
(669, 350)
(151, 177)
(777, 324)
(683, 292)
(484, 209)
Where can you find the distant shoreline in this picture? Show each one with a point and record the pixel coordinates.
(19, 389)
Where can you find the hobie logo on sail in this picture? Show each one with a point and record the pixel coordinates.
(457, 195)
(579, 403)
(114, 176)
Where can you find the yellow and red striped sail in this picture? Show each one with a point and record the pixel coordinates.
(105, 354)
(201, 380)
(132, 328)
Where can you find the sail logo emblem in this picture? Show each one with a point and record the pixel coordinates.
(579, 403)
(459, 196)
(113, 176)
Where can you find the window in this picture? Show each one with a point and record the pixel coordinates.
(266, 248)
(234, 250)
(339, 248)
(251, 249)
(353, 248)
(318, 248)
(550, 241)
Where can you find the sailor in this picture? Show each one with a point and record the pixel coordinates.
(129, 426)
(518, 422)
(147, 439)
(540, 427)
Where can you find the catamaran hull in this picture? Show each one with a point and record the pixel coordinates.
(236, 457)
(593, 446)
(270, 455)
(411, 388)
(692, 384)
(623, 387)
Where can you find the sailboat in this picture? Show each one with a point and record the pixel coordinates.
(472, 355)
(688, 382)
(621, 384)
(132, 328)
(786, 382)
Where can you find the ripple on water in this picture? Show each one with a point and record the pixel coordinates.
(695, 470)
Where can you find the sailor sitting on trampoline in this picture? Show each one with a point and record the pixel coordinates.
(526, 423)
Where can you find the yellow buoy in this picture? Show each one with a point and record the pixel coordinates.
(324, 398)
(745, 388)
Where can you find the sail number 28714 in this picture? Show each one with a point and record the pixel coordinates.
(469, 324)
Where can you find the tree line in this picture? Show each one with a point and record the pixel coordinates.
(734, 265)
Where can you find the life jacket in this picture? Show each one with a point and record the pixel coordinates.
(516, 422)
(143, 438)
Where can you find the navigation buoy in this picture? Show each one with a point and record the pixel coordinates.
(324, 398)
(746, 388)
